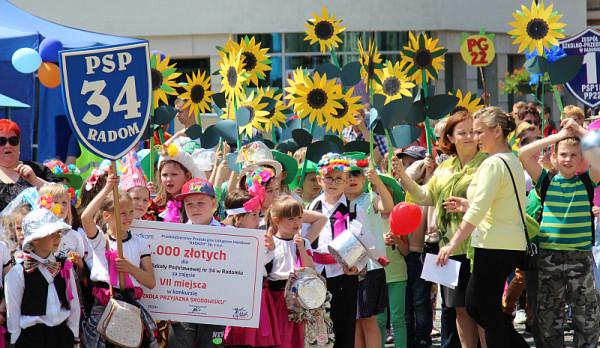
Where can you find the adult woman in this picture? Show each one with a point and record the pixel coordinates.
(499, 241)
(452, 178)
(15, 176)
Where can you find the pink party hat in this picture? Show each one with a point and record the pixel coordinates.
(132, 175)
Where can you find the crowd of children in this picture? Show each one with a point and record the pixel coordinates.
(61, 266)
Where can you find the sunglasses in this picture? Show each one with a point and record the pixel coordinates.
(356, 173)
(12, 141)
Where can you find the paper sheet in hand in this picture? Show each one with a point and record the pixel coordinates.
(446, 276)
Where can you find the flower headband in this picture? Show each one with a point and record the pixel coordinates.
(47, 201)
(93, 179)
(254, 184)
(59, 168)
(332, 162)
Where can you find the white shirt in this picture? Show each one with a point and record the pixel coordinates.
(55, 313)
(326, 235)
(285, 258)
(71, 241)
(4, 259)
(88, 254)
(134, 248)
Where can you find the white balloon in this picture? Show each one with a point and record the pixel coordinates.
(591, 148)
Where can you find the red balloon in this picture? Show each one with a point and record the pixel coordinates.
(405, 218)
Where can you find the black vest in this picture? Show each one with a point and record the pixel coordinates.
(35, 293)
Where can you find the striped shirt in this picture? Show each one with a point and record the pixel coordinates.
(566, 220)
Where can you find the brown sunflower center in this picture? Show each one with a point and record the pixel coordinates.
(537, 28)
(324, 30)
(423, 58)
(249, 61)
(317, 98)
(251, 111)
(197, 94)
(157, 79)
(231, 77)
(341, 113)
(391, 85)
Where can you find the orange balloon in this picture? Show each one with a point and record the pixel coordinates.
(49, 75)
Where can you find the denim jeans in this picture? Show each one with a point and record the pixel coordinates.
(419, 317)
(449, 337)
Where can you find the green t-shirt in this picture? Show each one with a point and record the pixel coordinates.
(566, 221)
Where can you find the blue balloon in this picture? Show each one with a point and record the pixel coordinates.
(26, 60)
(49, 49)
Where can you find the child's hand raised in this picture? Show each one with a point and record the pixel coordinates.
(299, 241)
(124, 265)
(269, 243)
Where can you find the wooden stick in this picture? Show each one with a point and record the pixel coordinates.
(486, 99)
(117, 212)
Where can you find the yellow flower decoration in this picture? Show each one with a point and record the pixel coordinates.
(367, 67)
(346, 115)
(422, 53)
(276, 117)
(299, 77)
(325, 30)
(197, 93)
(172, 150)
(258, 114)
(233, 75)
(163, 76)
(317, 98)
(536, 28)
(394, 84)
(255, 60)
(466, 102)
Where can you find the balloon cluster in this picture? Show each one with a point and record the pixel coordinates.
(26, 60)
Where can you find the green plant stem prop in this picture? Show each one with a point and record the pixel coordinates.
(541, 81)
(273, 135)
(199, 119)
(305, 162)
(390, 147)
(558, 102)
(429, 135)
(237, 128)
(161, 135)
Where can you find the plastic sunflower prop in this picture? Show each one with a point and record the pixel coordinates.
(275, 118)
(163, 76)
(317, 98)
(394, 84)
(255, 59)
(422, 54)
(258, 114)
(536, 28)
(233, 75)
(299, 77)
(197, 93)
(467, 101)
(344, 116)
(369, 60)
(325, 30)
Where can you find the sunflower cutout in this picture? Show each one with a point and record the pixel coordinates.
(536, 28)
(276, 117)
(422, 53)
(163, 76)
(325, 30)
(394, 84)
(317, 98)
(299, 77)
(344, 116)
(233, 75)
(197, 93)
(467, 101)
(258, 114)
(369, 60)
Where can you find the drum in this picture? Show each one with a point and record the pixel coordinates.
(305, 289)
(348, 251)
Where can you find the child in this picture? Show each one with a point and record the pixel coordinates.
(565, 239)
(136, 262)
(310, 187)
(42, 310)
(372, 289)
(57, 199)
(244, 213)
(133, 182)
(291, 251)
(198, 197)
(341, 282)
(15, 229)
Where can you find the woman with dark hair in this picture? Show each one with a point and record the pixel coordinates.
(493, 219)
(16, 175)
(452, 178)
